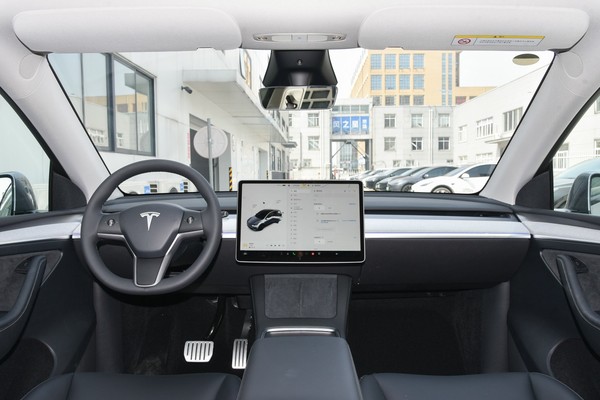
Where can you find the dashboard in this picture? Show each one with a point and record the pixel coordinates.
(412, 243)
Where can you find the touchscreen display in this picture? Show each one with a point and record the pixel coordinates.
(300, 222)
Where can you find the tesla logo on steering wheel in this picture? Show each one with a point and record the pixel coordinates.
(149, 215)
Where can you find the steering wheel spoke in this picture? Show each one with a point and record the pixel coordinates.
(192, 223)
(109, 227)
(148, 272)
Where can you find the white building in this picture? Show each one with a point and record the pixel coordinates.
(159, 111)
(412, 136)
(355, 136)
(484, 125)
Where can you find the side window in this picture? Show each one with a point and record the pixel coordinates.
(24, 166)
(576, 162)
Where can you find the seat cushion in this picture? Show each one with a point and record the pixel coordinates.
(513, 386)
(104, 386)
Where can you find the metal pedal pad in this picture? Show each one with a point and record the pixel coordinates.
(240, 354)
(198, 351)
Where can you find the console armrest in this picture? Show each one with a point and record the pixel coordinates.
(300, 367)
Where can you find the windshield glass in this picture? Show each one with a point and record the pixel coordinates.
(394, 109)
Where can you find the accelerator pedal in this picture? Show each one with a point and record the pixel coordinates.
(198, 351)
(240, 354)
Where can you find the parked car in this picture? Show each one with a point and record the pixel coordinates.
(371, 181)
(564, 180)
(405, 183)
(382, 184)
(362, 175)
(467, 179)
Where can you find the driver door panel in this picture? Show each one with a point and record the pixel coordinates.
(50, 334)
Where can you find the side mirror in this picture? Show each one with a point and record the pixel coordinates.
(465, 175)
(16, 195)
(584, 195)
(425, 176)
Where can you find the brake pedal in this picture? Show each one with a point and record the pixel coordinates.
(240, 354)
(198, 351)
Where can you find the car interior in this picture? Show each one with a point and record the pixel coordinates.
(290, 288)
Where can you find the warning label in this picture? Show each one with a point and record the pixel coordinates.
(496, 40)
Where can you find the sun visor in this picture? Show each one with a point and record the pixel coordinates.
(101, 30)
(473, 28)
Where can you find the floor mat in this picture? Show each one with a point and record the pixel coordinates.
(154, 337)
(404, 335)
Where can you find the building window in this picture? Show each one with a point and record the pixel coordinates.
(134, 120)
(306, 163)
(279, 160)
(389, 144)
(272, 157)
(416, 120)
(419, 61)
(597, 106)
(484, 127)
(396, 163)
(597, 147)
(444, 143)
(389, 120)
(313, 120)
(375, 82)
(376, 100)
(290, 119)
(561, 159)
(404, 82)
(444, 120)
(390, 100)
(482, 158)
(418, 81)
(462, 133)
(410, 163)
(404, 100)
(375, 61)
(416, 143)
(390, 82)
(512, 118)
(122, 121)
(390, 61)
(404, 60)
(462, 160)
(418, 100)
(460, 100)
(313, 143)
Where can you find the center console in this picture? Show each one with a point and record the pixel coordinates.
(300, 319)
(300, 351)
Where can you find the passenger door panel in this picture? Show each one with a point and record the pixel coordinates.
(547, 322)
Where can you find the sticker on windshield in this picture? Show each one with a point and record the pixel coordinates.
(496, 40)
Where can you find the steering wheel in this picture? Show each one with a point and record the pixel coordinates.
(152, 232)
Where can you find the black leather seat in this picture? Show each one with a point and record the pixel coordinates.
(501, 386)
(105, 386)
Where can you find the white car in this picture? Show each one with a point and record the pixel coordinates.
(467, 179)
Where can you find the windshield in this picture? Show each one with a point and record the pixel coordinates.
(394, 109)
